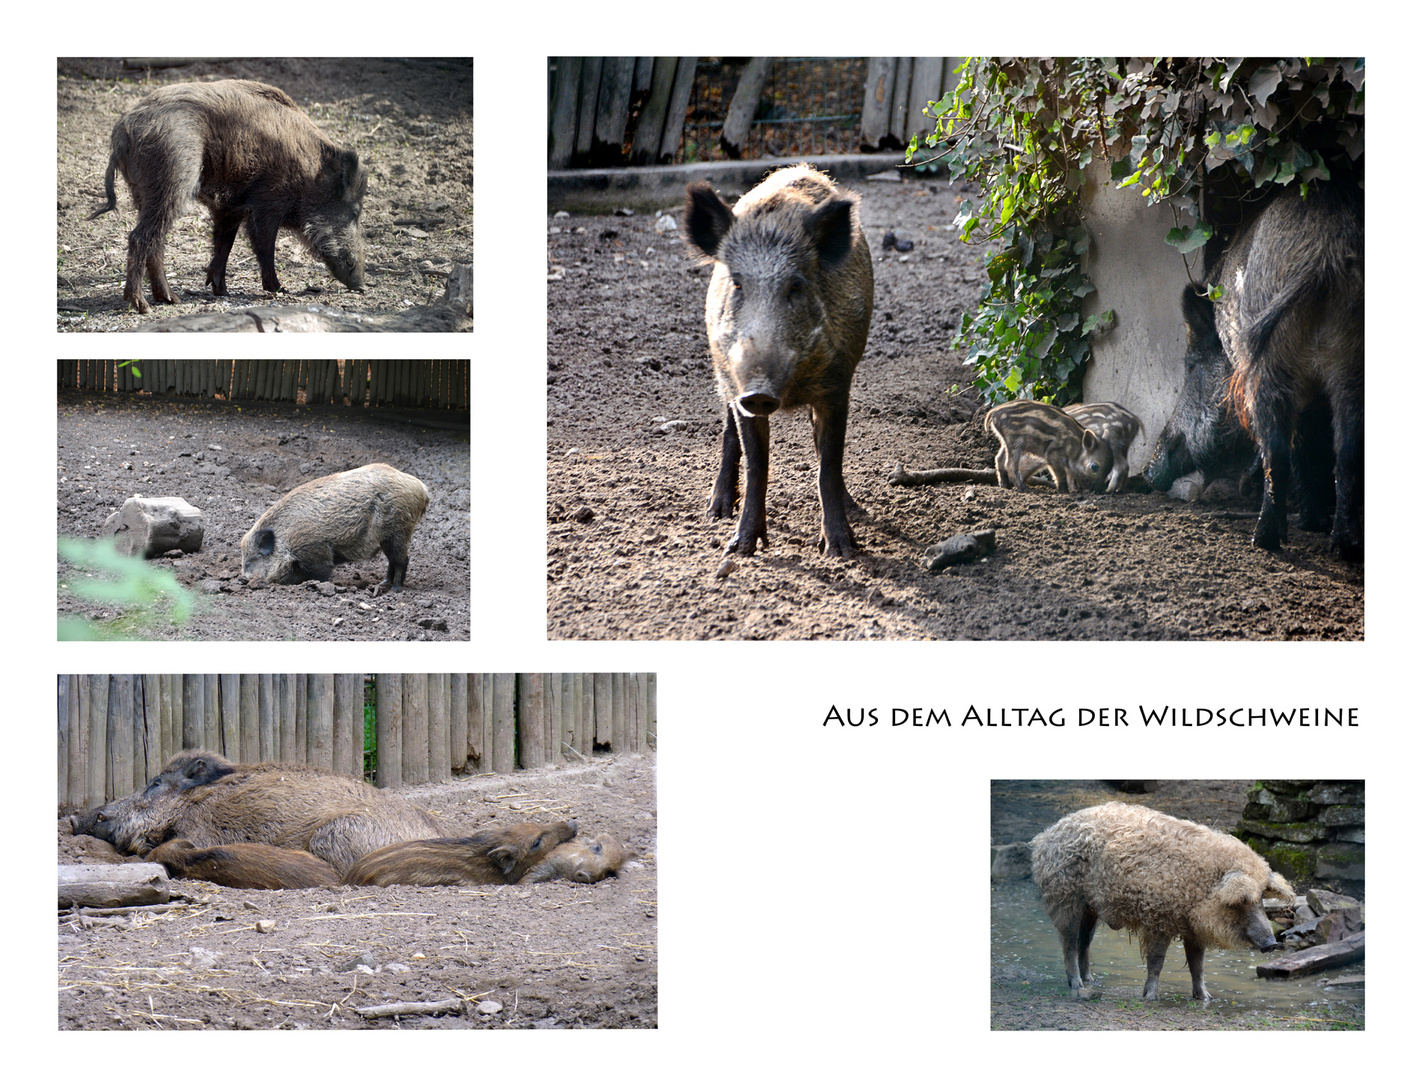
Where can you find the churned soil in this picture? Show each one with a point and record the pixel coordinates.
(634, 432)
(231, 463)
(1020, 809)
(410, 120)
(550, 955)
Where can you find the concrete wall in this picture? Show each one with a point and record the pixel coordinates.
(1140, 276)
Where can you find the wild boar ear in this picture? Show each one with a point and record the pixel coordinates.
(833, 226)
(266, 542)
(1233, 888)
(1089, 439)
(705, 219)
(505, 858)
(1199, 315)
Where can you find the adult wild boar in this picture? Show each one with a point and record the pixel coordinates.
(1281, 353)
(345, 517)
(248, 153)
(1160, 878)
(203, 797)
(787, 316)
(495, 856)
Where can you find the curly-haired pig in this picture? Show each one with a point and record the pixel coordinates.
(1158, 877)
(787, 317)
(342, 518)
(1118, 426)
(249, 154)
(1033, 435)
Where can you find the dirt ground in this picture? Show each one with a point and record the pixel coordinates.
(232, 462)
(553, 955)
(1022, 808)
(410, 120)
(634, 430)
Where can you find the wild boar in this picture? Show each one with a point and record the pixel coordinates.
(493, 856)
(1032, 435)
(787, 317)
(342, 518)
(203, 797)
(244, 866)
(249, 154)
(1160, 878)
(583, 861)
(1115, 424)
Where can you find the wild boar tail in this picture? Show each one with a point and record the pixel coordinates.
(109, 191)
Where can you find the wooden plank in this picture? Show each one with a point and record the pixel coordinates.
(192, 711)
(98, 713)
(250, 739)
(389, 727)
(926, 85)
(320, 720)
(120, 735)
(571, 704)
(878, 100)
(735, 132)
(614, 97)
(651, 740)
(458, 721)
(268, 718)
(588, 732)
(343, 725)
(230, 706)
(151, 724)
(286, 717)
(64, 696)
(602, 710)
(486, 697)
(642, 74)
(1318, 958)
(587, 107)
(505, 727)
(676, 108)
(438, 689)
(652, 121)
(530, 726)
(903, 74)
(416, 750)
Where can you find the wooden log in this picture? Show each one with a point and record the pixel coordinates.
(409, 1008)
(416, 753)
(438, 690)
(149, 527)
(97, 739)
(614, 97)
(389, 769)
(112, 885)
(119, 727)
(588, 731)
(285, 704)
(642, 74)
(735, 132)
(1318, 958)
(250, 738)
(602, 710)
(343, 724)
(268, 724)
(211, 721)
(563, 110)
(651, 737)
(505, 723)
(530, 725)
(229, 699)
(321, 721)
(65, 696)
(458, 721)
(676, 108)
(587, 108)
(926, 85)
(878, 99)
(903, 74)
(647, 142)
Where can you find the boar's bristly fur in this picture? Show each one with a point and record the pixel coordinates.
(499, 855)
(1160, 878)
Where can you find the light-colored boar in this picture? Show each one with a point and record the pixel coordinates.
(342, 518)
(1158, 877)
(580, 860)
(500, 855)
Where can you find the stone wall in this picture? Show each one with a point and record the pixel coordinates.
(1307, 828)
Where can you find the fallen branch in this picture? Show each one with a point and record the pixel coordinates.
(411, 1008)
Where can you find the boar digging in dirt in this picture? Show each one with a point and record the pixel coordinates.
(1032, 435)
(248, 153)
(787, 317)
(343, 518)
(1160, 878)
(497, 856)
(203, 797)
(1280, 357)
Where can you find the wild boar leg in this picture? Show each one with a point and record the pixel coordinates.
(830, 421)
(1348, 521)
(397, 555)
(726, 492)
(755, 443)
(1155, 949)
(1273, 430)
(224, 232)
(1195, 957)
(262, 229)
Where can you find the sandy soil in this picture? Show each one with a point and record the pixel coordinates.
(551, 955)
(631, 553)
(1022, 808)
(411, 122)
(232, 463)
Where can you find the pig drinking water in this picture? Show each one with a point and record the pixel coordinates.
(1160, 878)
(1279, 359)
(249, 154)
(1033, 435)
(787, 317)
(345, 517)
(1118, 426)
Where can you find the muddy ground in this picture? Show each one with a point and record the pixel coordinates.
(634, 430)
(232, 462)
(410, 120)
(1022, 808)
(553, 955)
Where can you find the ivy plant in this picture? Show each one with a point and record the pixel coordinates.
(1200, 134)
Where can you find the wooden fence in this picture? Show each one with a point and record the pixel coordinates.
(117, 731)
(424, 384)
(612, 111)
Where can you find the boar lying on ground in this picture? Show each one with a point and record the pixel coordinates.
(202, 797)
(787, 317)
(1160, 878)
(342, 518)
(488, 857)
(247, 153)
(583, 861)
(244, 866)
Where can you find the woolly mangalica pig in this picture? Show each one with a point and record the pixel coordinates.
(248, 153)
(337, 519)
(1160, 878)
(202, 797)
(787, 316)
(488, 857)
